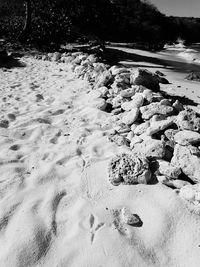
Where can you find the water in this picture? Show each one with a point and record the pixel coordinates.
(190, 53)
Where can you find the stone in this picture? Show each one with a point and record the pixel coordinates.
(150, 148)
(127, 92)
(117, 101)
(188, 159)
(141, 128)
(145, 78)
(130, 136)
(165, 102)
(157, 126)
(151, 96)
(117, 70)
(178, 106)
(131, 116)
(118, 140)
(155, 108)
(137, 100)
(187, 137)
(170, 133)
(104, 91)
(56, 56)
(167, 169)
(103, 79)
(4, 124)
(129, 169)
(188, 120)
(129, 218)
(116, 111)
(135, 140)
(99, 103)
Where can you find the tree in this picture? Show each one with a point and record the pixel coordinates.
(23, 36)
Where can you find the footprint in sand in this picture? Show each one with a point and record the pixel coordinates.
(94, 226)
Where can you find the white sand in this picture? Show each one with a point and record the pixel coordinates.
(57, 207)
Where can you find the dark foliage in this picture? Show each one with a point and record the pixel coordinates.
(60, 21)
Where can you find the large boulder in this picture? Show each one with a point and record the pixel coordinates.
(188, 159)
(129, 169)
(145, 78)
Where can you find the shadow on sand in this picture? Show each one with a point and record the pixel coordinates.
(11, 62)
(130, 59)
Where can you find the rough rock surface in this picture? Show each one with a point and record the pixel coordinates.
(129, 218)
(188, 159)
(129, 169)
(168, 169)
(150, 148)
(153, 109)
(187, 137)
(188, 120)
(131, 116)
(157, 126)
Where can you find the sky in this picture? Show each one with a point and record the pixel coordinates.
(187, 8)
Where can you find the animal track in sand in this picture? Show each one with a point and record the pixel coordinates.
(94, 226)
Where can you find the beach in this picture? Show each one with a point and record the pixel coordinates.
(57, 205)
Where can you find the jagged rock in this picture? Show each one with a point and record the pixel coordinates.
(194, 76)
(116, 111)
(150, 148)
(135, 140)
(131, 116)
(99, 103)
(118, 139)
(136, 102)
(188, 159)
(141, 128)
(187, 137)
(145, 78)
(117, 70)
(157, 126)
(188, 120)
(170, 133)
(178, 106)
(130, 136)
(151, 96)
(129, 218)
(153, 109)
(167, 169)
(123, 78)
(104, 91)
(165, 102)
(129, 169)
(103, 79)
(94, 94)
(117, 101)
(127, 92)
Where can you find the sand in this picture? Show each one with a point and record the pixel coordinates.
(57, 206)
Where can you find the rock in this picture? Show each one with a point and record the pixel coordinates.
(155, 108)
(187, 192)
(167, 169)
(118, 140)
(116, 111)
(4, 124)
(117, 70)
(150, 148)
(137, 100)
(145, 78)
(103, 79)
(135, 140)
(170, 133)
(117, 101)
(193, 76)
(99, 103)
(129, 169)
(157, 126)
(188, 159)
(131, 116)
(151, 96)
(130, 136)
(130, 218)
(127, 92)
(56, 56)
(188, 120)
(104, 91)
(127, 106)
(187, 137)
(178, 106)
(141, 128)
(165, 102)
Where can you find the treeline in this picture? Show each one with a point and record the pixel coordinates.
(60, 21)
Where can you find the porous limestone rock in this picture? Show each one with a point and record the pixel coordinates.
(160, 125)
(155, 108)
(129, 169)
(145, 78)
(117, 70)
(188, 159)
(130, 116)
(136, 102)
(127, 92)
(167, 169)
(99, 103)
(129, 218)
(141, 128)
(170, 133)
(188, 120)
(186, 137)
(103, 79)
(150, 148)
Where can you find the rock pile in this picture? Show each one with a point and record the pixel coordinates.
(163, 135)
